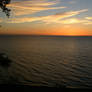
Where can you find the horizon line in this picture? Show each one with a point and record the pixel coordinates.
(45, 35)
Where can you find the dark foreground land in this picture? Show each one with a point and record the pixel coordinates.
(35, 88)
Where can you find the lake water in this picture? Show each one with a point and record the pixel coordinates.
(47, 61)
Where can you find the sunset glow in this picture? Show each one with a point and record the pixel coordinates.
(48, 17)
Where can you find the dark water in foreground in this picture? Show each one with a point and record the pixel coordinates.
(47, 61)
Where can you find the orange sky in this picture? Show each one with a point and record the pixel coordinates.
(48, 17)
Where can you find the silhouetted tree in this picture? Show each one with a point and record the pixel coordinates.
(3, 4)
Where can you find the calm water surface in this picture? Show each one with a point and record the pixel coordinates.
(47, 61)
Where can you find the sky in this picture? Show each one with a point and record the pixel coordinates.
(48, 17)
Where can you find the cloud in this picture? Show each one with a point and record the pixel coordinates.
(69, 14)
(89, 18)
(57, 18)
(72, 2)
(1, 20)
(87, 22)
(72, 21)
(23, 20)
(32, 6)
(76, 21)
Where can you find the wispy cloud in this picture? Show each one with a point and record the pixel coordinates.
(76, 21)
(72, 2)
(35, 6)
(69, 14)
(1, 20)
(57, 18)
(89, 18)
(72, 21)
(32, 6)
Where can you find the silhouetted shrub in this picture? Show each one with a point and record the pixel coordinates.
(3, 4)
